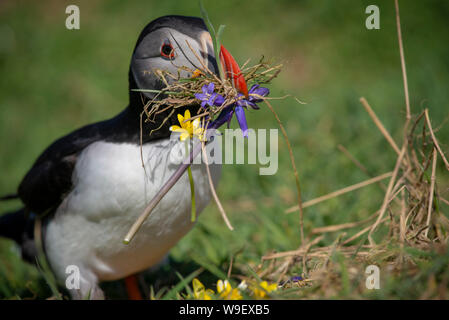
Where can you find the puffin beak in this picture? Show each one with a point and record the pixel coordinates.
(232, 71)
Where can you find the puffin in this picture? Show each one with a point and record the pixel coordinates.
(88, 187)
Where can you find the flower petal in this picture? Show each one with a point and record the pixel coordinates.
(211, 99)
(224, 116)
(181, 120)
(174, 128)
(220, 286)
(242, 285)
(263, 91)
(210, 88)
(230, 118)
(200, 96)
(257, 90)
(240, 114)
(254, 88)
(235, 295)
(218, 101)
(253, 105)
(187, 115)
(245, 103)
(181, 130)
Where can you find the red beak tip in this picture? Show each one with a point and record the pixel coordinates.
(232, 71)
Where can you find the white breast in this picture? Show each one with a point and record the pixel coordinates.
(111, 189)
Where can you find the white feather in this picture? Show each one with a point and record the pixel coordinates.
(111, 189)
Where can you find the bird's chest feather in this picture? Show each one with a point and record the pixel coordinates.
(111, 189)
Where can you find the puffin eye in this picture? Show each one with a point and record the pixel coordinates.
(167, 51)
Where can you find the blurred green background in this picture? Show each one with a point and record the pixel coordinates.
(54, 80)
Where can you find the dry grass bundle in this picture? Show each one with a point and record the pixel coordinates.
(414, 220)
(408, 217)
(180, 91)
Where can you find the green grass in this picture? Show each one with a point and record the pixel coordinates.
(54, 80)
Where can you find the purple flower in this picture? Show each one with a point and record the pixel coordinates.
(293, 281)
(238, 108)
(296, 278)
(258, 90)
(245, 102)
(224, 116)
(241, 118)
(252, 100)
(248, 102)
(209, 97)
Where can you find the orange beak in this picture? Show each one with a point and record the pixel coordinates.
(232, 71)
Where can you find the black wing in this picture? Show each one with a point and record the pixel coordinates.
(50, 178)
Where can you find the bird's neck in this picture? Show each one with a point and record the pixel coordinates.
(150, 129)
(131, 125)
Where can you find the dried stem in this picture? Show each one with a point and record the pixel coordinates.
(402, 220)
(435, 141)
(431, 192)
(342, 226)
(401, 52)
(341, 191)
(379, 125)
(212, 189)
(160, 194)
(292, 159)
(387, 195)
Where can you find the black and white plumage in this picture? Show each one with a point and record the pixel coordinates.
(91, 185)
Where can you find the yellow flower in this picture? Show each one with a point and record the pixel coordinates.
(226, 292)
(196, 73)
(200, 292)
(264, 289)
(189, 128)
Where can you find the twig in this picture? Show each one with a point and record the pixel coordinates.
(341, 191)
(397, 192)
(418, 232)
(401, 52)
(358, 234)
(435, 141)
(431, 192)
(160, 194)
(230, 267)
(379, 125)
(301, 250)
(402, 220)
(387, 195)
(201, 61)
(443, 200)
(212, 189)
(361, 166)
(292, 159)
(405, 81)
(342, 226)
(196, 117)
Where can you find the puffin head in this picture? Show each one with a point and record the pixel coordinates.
(175, 44)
